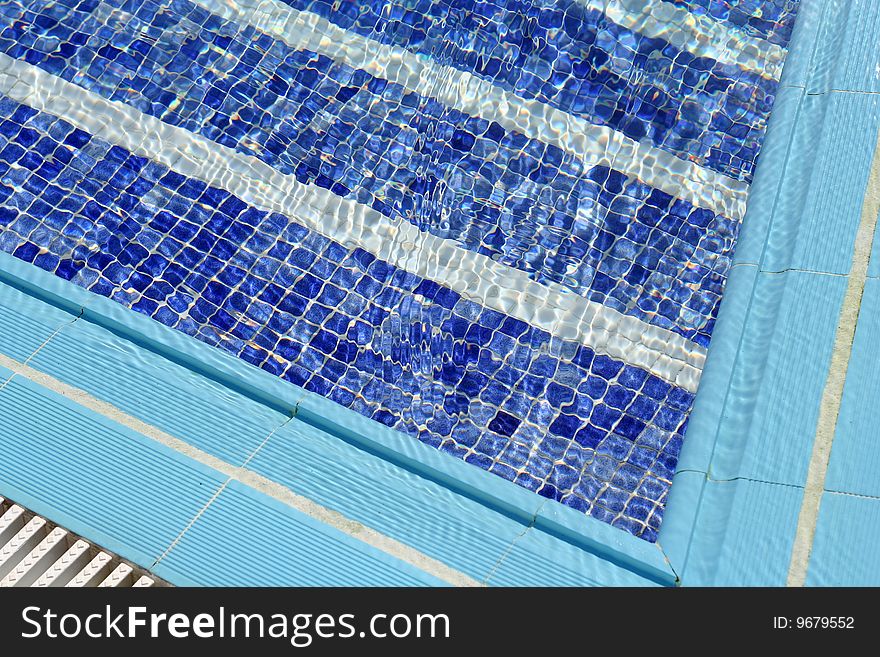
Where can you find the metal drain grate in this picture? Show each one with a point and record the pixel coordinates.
(37, 552)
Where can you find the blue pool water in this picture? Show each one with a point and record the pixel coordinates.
(576, 380)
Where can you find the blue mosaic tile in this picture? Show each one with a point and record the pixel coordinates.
(578, 427)
(526, 204)
(769, 19)
(570, 56)
(551, 415)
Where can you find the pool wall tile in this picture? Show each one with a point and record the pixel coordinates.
(773, 400)
(245, 538)
(677, 534)
(719, 371)
(806, 47)
(838, 136)
(766, 192)
(817, 45)
(744, 533)
(536, 560)
(437, 521)
(95, 477)
(859, 59)
(166, 395)
(804, 182)
(846, 549)
(26, 323)
(855, 460)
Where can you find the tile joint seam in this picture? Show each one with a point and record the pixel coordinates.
(513, 542)
(40, 347)
(845, 493)
(232, 477)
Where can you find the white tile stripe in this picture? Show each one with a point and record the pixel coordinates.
(832, 393)
(281, 493)
(594, 145)
(699, 35)
(549, 307)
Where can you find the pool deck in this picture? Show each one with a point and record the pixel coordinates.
(207, 471)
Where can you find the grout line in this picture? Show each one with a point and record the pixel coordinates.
(352, 528)
(856, 92)
(832, 393)
(668, 562)
(713, 480)
(513, 542)
(508, 290)
(476, 96)
(229, 480)
(40, 347)
(800, 270)
(754, 481)
(861, 496)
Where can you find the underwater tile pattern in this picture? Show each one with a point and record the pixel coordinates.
(590, 431)
(596, 231)
(551, 414)
(772, 20)
(568, 55)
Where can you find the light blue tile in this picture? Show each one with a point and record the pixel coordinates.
(393, 500)
(711, 401)
(680, 518)
(245, 538)
(819, 205)
(744, 533)
(25, 323)
(854, 466)
(813, 42)
(538, 559)
(858, 59)
(619, 548)
(87, 473)
(152, 388)
(846, 547)
(769, 419)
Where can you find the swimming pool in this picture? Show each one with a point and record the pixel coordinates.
(503, 229)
